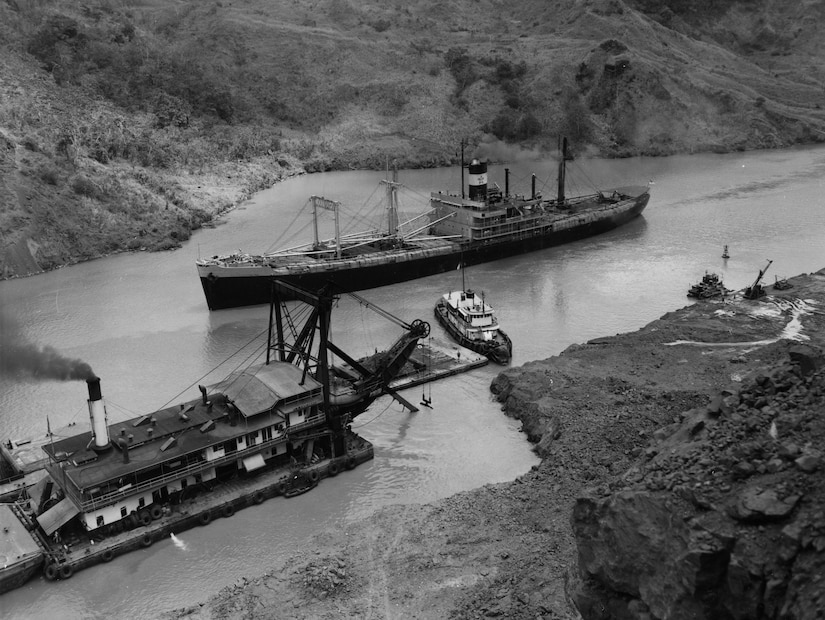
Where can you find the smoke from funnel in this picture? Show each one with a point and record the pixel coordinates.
(22, 359)
(492, 149)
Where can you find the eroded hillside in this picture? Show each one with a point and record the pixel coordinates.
(125, 125)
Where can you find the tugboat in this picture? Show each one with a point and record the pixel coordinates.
(472, 323)
(711, 286)
(273, 428)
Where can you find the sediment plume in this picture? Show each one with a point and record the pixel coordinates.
(25, 360)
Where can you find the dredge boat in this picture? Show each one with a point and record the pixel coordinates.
(472, 323)
(272, 428)
(486, 225)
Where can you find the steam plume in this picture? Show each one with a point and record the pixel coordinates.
(22, 359)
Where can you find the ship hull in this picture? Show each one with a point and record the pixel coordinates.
(231, 287)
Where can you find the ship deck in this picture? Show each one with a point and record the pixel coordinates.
(296, 259)
(20, 553)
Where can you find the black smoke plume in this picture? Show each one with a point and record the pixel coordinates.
(492, 149)
(24, 360)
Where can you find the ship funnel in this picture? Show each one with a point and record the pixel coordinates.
(478, 180)
(97, 413)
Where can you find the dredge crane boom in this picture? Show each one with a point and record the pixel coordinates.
(371, 377)
(754, 291)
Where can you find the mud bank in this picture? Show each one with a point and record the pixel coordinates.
(693, 442)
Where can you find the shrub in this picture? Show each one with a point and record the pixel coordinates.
(83, 186)
(30, 144)
(506, 70)
(49, 174)
(381, 25)
(171, 110)
(460, 65)
(512, 125)
(55, 43)
(166, 244)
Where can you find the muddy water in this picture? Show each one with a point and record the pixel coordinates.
(140, 321)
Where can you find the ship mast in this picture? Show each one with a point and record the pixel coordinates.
(329, 205)
(462, 169)
(392, 203)
(562, 170)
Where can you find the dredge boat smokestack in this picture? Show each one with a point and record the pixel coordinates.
(97, 413)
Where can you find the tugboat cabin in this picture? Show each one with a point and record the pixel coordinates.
(472, 315)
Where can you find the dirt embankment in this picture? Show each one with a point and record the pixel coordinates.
(705, 420)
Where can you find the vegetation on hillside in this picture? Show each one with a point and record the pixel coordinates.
(128, 124)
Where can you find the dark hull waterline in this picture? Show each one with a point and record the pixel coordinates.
(245, 290)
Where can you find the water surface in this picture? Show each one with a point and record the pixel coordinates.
(141, 322)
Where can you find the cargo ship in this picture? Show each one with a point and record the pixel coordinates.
(270, 428)
(484, 225)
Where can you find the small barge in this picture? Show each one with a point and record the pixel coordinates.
(275, 428)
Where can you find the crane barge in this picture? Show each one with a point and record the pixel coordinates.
(755, 290)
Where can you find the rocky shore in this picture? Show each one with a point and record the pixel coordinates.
(681, 477)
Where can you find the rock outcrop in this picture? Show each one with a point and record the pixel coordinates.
(726, 518)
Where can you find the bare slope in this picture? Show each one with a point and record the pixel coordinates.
(127, 124)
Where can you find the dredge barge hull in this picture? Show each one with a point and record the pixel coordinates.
(221, 502)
